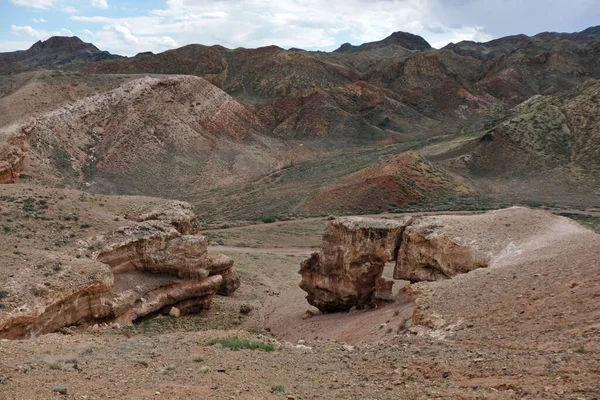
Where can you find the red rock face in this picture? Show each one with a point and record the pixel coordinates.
(13, 148)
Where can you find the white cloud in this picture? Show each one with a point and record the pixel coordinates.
(309, 24)
(124, 34)
(39, 20)
(99, 3)
(42, 4)
(27, 31)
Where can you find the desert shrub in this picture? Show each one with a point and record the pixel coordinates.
(278, 389)
(235, 343)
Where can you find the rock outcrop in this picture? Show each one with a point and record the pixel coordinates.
(13, 146)
(429, 253)
(149, 266)
(345, 273)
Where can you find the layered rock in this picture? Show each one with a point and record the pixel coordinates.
(429, 253)
(345, 273)
(139, 269)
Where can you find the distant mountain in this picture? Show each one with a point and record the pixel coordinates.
(57, 51)
(593, 31)
(271, 131)
(402, 39)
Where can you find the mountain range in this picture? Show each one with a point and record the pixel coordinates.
(256, 133)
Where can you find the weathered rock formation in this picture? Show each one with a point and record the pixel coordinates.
(13, 147)
(147, 267)
(428, 253)
(345, 273)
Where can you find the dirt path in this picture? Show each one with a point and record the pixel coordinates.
(264, 250)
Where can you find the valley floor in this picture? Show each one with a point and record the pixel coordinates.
(364, 354)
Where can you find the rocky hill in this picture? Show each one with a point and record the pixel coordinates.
(547, 141)
(55, 52)
(252, 133)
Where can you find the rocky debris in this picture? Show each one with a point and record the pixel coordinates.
(345, 273)
(246, 308)
(156, 265)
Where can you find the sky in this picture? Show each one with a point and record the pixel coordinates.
(129, 27)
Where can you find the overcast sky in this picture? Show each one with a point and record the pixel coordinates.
(129, 27)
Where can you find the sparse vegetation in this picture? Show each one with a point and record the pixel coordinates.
(235, 343)
(278, 389)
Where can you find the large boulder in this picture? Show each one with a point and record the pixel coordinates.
(345, 273)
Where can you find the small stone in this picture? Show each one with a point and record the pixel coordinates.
(446, 375)
(246, 309)
(309, 314)
(175, 312)
(204, 369)
(301, 341)
(60, 389)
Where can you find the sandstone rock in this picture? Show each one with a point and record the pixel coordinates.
(155, 265)
(432, 249)
(383, 289)
(175, 312)
(345, 272)
(246, 309)
(13, 147)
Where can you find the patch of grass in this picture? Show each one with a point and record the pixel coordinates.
(580, 350)
(226, 319)
(278, 389)
(235, 343)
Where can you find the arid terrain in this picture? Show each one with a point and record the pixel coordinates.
(387, 220)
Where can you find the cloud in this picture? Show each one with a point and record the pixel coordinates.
(27, 31)
(39, 20)
(99, 3)
(124, 34)
(323, 25)
(41, 4)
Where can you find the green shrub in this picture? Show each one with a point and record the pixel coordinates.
(235, 343)
(278, 389)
